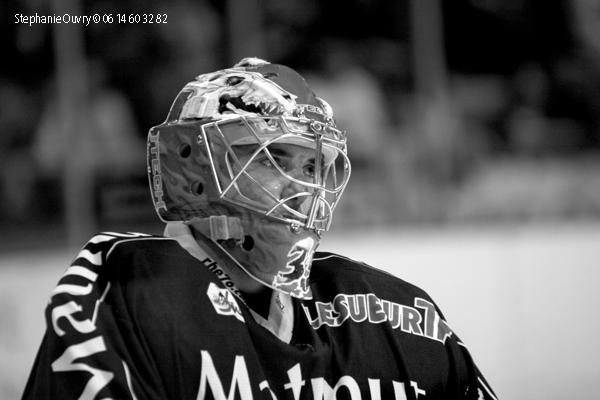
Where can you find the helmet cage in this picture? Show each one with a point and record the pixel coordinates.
(310, 206)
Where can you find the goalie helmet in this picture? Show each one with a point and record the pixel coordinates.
(200, 166)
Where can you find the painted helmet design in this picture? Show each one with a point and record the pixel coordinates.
(222, 122)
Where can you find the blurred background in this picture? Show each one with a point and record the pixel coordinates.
(474, 130)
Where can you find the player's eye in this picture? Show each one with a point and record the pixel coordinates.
(266, 162)
(309, 170)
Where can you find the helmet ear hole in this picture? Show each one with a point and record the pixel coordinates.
(248, 243)
(185, 150)
(197, 188)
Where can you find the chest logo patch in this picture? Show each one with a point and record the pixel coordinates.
(223, 301)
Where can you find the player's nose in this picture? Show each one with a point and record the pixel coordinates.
(296, 195)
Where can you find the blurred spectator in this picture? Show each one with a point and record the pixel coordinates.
(290, 28)
(575, 95)
(585, 22)
(17, 176)
(190, 44)
(527, 121)
(360, 104)
(555, 110)
(109, 145)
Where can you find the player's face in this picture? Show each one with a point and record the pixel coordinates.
(297, 162)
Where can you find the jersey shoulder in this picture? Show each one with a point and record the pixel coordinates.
(349, 274)
(111, 256)
(109, 245)
(126, 262)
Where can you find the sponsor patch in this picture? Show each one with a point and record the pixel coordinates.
(223, 301)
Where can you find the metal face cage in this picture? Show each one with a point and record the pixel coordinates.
(239, 146)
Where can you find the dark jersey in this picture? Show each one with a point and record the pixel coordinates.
(138, 317)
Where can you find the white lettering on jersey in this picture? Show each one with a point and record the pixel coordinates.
(375, 389)
(417, 390)
(399, 391)
(78, 290)
(241, 384)
(322, 390)
(65, 362)
(94, 258)
(368, 307)
(66, 311)
(296, 382)
(265, 385)
(67, 304)
(209, 378)
(435, 327)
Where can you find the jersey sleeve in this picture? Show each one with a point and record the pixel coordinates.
(469, 378)
(90, 349)
(477, 388)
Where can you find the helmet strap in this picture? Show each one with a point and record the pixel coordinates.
(220, 228)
